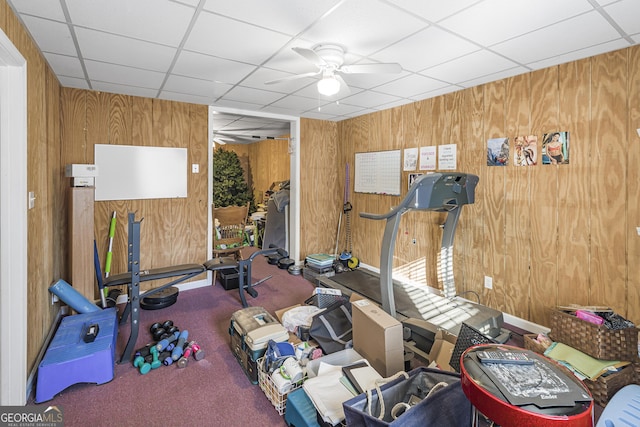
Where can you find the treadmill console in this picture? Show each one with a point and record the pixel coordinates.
(441, 191)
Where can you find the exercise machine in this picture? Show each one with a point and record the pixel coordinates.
(437, 192)
(178, 273)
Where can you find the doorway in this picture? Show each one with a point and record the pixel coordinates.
(294, 174)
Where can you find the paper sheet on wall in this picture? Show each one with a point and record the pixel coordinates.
(410, 159)
(428, 158)
(447, 157)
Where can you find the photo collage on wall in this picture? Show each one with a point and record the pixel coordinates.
(526, 150)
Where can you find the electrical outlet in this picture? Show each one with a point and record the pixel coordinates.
(488, 282)
(413, 241)
(195, 168)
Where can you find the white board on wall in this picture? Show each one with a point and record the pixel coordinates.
(378, 172)
(129, 172)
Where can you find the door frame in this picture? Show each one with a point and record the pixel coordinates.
(294, 174)
(13, 223)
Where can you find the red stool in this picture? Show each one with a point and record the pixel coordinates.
(487, 399)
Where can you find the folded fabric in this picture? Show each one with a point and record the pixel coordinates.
(327, 393)
(584, 364)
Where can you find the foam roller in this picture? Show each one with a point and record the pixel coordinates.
(72, 298)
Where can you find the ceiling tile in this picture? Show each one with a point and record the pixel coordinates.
(280, 15)
(43, 8)
(190, 86)
(627, 14)
(51, 36)
(184, 97)
(411, 85)
(104, 47)
(118, 74)
(73, 82)
(579, 54)
(227, 38)
(493, 21)
(63, 65)
(585, 30)
(369, 99)
(192, 64)
(426, 48)
(480, 63)
(434, 10)
(132, 90)
(163, 21)
(294, 102)
(363, 26)
(244, 94)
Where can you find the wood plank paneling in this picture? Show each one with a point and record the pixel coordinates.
(608, 185)
(517, 194)
(574, 185)
(544, 200)
(633, 188)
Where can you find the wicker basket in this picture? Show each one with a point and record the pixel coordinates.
(530, 343)
(277, 399)
(595, 340)
(604, 388)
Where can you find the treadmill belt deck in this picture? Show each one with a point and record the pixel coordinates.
(412, 301)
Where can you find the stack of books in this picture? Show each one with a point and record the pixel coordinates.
(320, 263)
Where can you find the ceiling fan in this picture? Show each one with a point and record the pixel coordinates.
(329, 58)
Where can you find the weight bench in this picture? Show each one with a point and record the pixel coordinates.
(243, 265)
(133, 278)
(182, 272)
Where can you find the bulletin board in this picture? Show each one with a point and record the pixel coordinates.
(378, 172)
(128, 172)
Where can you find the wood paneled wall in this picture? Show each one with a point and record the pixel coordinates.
(264, 163)
(547, 234)
(45, 222)
(173, 231)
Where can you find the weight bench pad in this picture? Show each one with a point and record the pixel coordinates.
(155, 274)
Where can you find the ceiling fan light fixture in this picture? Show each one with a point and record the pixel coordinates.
(328, 86)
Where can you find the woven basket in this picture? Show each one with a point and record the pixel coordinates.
(604, 388)
(530, 343)
(595, 340)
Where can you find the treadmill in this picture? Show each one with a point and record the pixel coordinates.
(421, 310)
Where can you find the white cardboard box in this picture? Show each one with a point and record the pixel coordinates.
(377, 336)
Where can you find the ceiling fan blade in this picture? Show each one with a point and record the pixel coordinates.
(374, 68)
(344, 87)
(310, 56)
(294, 77)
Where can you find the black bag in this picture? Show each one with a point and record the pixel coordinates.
(424, 397)
(331, 328)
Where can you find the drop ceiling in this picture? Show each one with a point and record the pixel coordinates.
(221, 53)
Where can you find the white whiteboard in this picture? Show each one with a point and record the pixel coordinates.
(128, 172)
(378, 172)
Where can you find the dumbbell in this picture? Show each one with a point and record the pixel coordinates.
(159, 330)
(164, 343)
(179, 348)
(182, 362)
(141, 363)
(198, 352)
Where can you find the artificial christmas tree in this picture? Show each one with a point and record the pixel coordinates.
(229, 185)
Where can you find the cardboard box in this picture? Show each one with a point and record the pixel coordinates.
(377, 336)
(442, 350)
